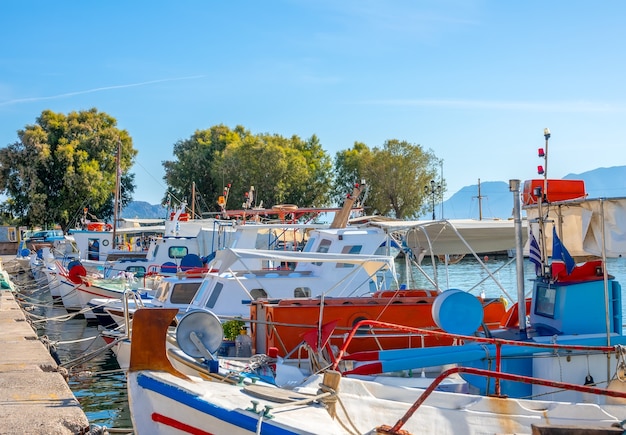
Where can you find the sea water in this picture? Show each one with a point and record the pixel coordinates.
(100, 387)
(97, 381)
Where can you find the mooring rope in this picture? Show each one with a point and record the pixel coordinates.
(327, 396)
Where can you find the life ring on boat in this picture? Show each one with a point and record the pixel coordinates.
(95, 226)
(77, 273)
(270, 327)
(105, 243)
(283, 209)
(196, 272)
(183, 217)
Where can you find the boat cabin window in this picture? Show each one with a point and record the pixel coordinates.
(323, 248)
(177, 251)
(138, 271)
(162, 291)
(545, 301)
(302, 292)
(215, 294)
(257, 293)
(184, 292)
(309, 244)
(93, 249)
(354, 249)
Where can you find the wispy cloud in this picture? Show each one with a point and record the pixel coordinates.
(90, 91)
(559, 106)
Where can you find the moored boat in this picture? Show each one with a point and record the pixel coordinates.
(573, 324)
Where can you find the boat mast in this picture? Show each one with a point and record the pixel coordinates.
(116, 199)
(193, 199)
(480, 203)
(341, 217)
(514, 186)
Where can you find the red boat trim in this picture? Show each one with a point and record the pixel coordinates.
(168, 421)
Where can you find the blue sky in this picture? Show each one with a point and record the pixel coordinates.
(476, 81)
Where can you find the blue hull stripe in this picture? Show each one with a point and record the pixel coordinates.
(192, 401)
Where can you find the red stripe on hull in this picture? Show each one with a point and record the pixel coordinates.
(159, 418)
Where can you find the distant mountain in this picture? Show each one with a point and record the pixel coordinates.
(494, 198)
(144, 210)
(496, 201)
(603, 182)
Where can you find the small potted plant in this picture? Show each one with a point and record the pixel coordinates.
(232, 329)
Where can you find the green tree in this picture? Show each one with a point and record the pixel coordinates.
(281, 170)
(194, 163)
(64, 163)
(348, 170)
(396, 175)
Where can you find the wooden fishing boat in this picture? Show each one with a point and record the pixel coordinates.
(561, 368)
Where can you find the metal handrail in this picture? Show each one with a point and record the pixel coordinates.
(500, 376)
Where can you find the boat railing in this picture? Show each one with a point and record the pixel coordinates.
(396, 429)
(456, 338)
(130, 295)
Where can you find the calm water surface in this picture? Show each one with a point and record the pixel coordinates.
(101, 388)
(97, 383)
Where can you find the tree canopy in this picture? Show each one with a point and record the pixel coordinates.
(63, 163)
(396, 175)
(281, 170)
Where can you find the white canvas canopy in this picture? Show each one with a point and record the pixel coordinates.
(139, 222)
(462, 236)
(581, 225)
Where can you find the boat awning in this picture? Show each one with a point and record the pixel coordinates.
(144, 229)
(585, 226)
(371, 263)
(141, 221)
(458, 236)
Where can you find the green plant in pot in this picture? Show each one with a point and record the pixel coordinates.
(232, 328)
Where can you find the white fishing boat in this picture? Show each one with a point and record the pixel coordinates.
(172, 292)
(560, 369)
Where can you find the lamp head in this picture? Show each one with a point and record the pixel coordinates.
(546, 133)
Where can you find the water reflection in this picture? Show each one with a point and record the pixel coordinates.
(97, 383)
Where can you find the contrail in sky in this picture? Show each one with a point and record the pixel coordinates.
(566, 106)
(90, 91)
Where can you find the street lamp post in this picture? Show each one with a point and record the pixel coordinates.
(432, 190)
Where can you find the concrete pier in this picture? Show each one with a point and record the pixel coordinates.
(34, 395)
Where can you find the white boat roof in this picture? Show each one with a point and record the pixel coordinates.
(143, 221)
(457, 236)
(371, 263)
(150, 228)
(280, 226)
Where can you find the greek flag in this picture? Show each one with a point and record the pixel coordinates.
(535, 255)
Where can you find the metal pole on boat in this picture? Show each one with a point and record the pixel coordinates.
(605, 273)
(116, 200)
(514, 186)
(546, 134)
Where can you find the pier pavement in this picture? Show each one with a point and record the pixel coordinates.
(34, 395)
